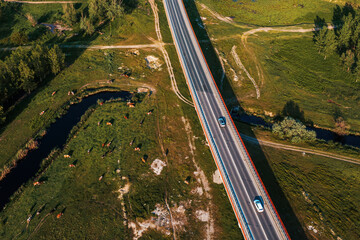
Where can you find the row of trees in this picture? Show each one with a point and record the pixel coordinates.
(25, 69)
(342, 39)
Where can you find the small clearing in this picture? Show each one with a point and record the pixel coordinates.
(202, 215)
(198, 190)
(217, 177)
(160, 222)
(153, 62)
(157, 166)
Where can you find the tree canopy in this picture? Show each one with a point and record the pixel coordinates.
(343, 39)
(293, 130)
(24, 69)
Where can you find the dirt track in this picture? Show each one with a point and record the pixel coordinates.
(42, 2)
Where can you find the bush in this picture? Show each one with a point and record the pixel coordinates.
(19, 38)
(293, 130)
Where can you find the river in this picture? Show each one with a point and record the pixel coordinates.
(56, 136)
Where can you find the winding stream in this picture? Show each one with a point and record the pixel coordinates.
(56, 136)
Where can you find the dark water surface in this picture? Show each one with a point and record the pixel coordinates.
(56, 136)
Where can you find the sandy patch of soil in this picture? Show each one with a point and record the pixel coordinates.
(217, 177)
(157, 166)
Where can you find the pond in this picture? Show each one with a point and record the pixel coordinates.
(55, 137)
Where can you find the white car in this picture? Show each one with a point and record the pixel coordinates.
(258, 204)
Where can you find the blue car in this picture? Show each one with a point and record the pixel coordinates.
(222, 121)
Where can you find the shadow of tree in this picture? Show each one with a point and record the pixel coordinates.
(293, 110)
(130, 5)
(277, 195)
(7, 18)
(319, 23)
(340, 13)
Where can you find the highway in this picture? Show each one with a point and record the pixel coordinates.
(240, 177)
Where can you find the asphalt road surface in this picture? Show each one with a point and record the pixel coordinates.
(239, 175)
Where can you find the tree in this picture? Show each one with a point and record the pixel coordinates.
(86, 25)
(331, 43)
(38, 62)
(114, 9)
(293, 130)
(348, 60)
(341, 128)
(345, 33)
(357, 72)
(19, 38)
(56, 58)
(26, 76)
(2, 115)
(320, 41)
(69, 13)
(97, 9)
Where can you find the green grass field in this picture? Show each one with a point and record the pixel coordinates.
(322, 192)
(294, 71)
(92, 207)
(272, 12)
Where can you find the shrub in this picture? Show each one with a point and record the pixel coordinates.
(293, 130)
(19, 38)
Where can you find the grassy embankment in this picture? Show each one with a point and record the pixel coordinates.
(294, 71)
(322, 192)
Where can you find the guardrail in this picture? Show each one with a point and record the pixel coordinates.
(240, 143)
(216, 149)
(222, 164)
